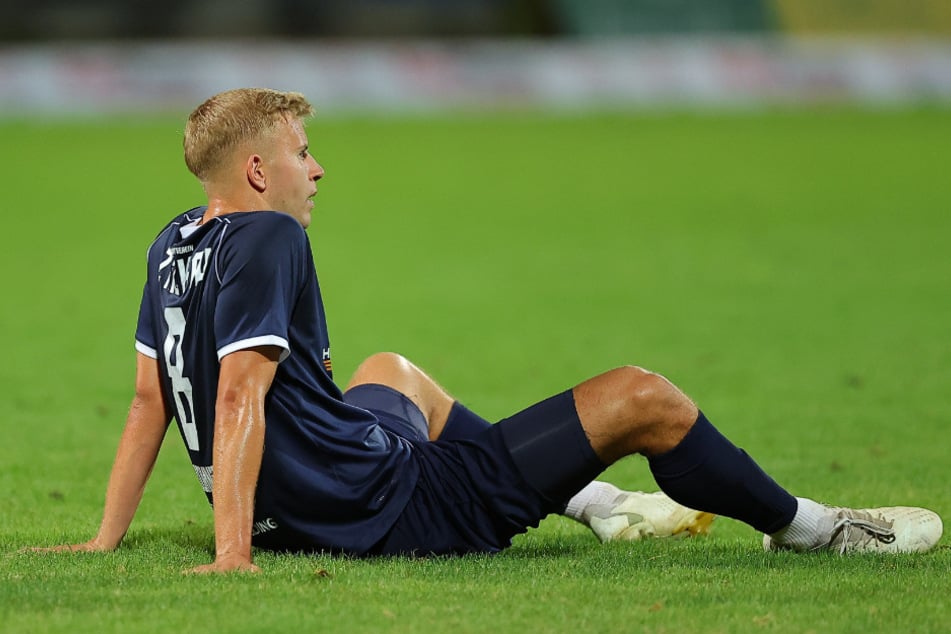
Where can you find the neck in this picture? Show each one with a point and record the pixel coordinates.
(221, 205)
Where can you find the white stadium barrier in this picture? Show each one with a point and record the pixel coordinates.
(424, 76)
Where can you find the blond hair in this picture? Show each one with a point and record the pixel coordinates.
(231, 118)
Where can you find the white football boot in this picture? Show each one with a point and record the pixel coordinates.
(634, 515)
(890, 529)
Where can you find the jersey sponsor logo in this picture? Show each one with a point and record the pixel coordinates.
(173, 251)
(263, 526)
(183, 268)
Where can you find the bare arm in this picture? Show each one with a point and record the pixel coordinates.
(138, 448)
(243, 383)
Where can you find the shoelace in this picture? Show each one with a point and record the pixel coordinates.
(869, 531)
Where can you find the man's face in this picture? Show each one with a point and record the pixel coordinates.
(291, 172)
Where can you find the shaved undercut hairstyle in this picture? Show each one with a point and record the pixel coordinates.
(233, 117)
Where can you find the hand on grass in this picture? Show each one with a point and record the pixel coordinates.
(92, 546)
(223, 565)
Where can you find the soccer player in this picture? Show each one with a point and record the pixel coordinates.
(233, 343)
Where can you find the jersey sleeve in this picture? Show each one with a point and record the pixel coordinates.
(144, 331)
(261, 274)
(146, 334)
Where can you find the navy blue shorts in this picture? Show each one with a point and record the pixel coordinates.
(475, 494)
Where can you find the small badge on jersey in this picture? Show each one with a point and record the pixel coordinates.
(328, 364)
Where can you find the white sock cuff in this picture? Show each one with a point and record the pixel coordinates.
(595, 493)
(803, 531)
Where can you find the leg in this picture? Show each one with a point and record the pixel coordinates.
(612, 514)
(623, 411)
(630, 410)
(397, 372)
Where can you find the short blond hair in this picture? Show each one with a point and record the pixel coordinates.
(232, 117)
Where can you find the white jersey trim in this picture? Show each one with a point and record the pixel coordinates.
(190, 228)
(266, 340)
(146, 350)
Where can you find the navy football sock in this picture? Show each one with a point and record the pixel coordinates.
(462, 423)
(709, 473)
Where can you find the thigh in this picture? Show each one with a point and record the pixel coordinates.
(398, 372)
(470, 497)
(551, 448)
(395, 411)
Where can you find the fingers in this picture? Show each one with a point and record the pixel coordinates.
(219, 567)
(62, 548)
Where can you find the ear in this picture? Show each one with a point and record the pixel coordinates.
(254, 169)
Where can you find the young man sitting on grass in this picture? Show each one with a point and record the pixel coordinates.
(233, 343)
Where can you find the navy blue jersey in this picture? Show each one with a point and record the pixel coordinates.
(331, 477)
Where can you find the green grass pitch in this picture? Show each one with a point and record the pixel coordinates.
(789, 270)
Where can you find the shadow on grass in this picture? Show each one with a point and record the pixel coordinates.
(187, 537)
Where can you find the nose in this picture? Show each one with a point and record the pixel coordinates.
(316, 172)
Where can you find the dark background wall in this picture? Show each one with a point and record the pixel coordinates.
(118, 19)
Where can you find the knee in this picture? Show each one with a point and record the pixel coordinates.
(631, 410)
(654, 400)
(384, 362)
(386, 368)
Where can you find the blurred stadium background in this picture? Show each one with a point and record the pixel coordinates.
(64, 57)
